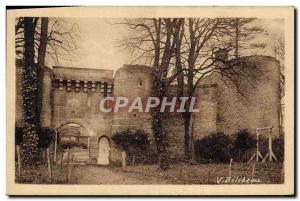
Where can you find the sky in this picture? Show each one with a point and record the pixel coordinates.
(98, 42)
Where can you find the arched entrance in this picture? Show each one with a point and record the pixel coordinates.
(72, 141)
(103, 151)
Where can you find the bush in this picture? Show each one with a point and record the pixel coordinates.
(70, 145)
(18, 135)
(140, 140)
(243, 145)
(135, 143)
(278, 148)
(46, 136)
(214, 147)
(123, 139)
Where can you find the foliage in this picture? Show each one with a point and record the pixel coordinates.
(135, 143)
(126, 139)
(215, 147)
(278, 148)
(29, 96)
(46, 135)
(123, 139)
(18, 135)
(243, 143)
(71, 144)
(140, 140)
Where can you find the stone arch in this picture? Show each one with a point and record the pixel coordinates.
(80, 123)
(66, 122)
(104, 136)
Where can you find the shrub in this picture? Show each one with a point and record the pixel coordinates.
(215, 147)
(123, 139)
(18, 135)
(135, 143)
(243, 144)
(46, 136)
(140, 140)
(70, 145)
(278, 148)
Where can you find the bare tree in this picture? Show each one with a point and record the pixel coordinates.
(278, 49)
(33, 43)
(186, 47)
(52, 38)
(241, 33)
(155, 39)
(201, 50)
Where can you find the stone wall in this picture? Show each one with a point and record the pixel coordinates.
(204, 121)
(76, 97)
(259, 104)
(77, 92)
(46, 112)
(132, 81)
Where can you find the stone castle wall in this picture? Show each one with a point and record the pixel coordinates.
(204, 121)
(76, 94)
(133, 81)
(258, 107)
(76, 98)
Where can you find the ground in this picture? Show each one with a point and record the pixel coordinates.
(179, 173)
(91, 174)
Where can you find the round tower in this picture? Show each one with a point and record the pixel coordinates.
(46, 110)
(132, 81)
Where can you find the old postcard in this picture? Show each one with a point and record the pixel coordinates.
(150, 101)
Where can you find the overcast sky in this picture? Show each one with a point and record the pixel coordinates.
(99, 39)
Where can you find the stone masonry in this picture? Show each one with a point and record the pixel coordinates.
(72, 96)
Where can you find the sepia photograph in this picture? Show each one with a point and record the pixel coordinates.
(172, 100)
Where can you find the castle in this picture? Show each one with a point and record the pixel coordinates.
(72, 96)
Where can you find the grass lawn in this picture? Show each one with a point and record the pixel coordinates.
(179, 173)
(184, 173)
(40, 175)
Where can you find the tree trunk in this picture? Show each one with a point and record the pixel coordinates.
(41, 63)
(29, 93)
(159, 91)
(237, 31)
(43, 41)
(186, 119)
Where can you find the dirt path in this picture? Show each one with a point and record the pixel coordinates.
(92, 174)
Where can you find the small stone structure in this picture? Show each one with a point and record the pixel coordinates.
(72, 96)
